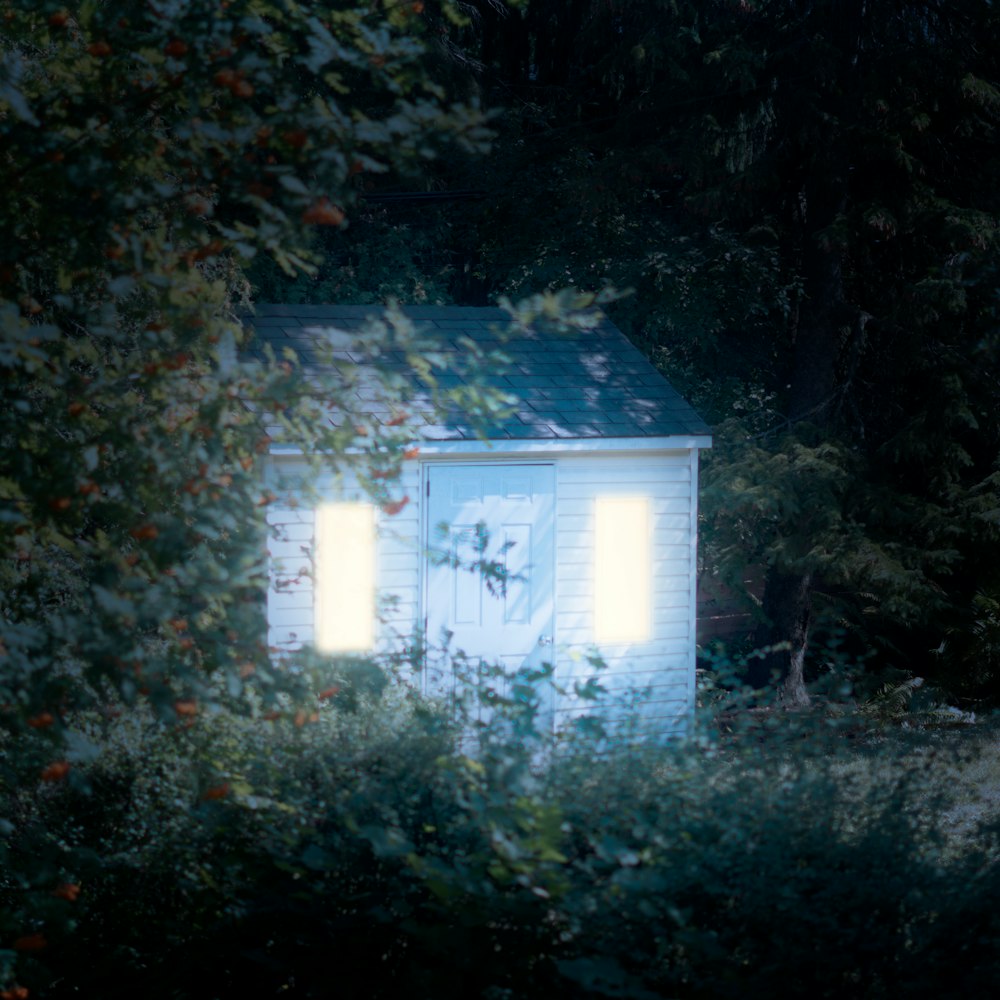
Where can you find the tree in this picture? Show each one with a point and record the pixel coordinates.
(871, 157)
(151, 149)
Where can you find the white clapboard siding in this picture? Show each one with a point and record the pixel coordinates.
(291, 601)
(660, 667)
(650, 681)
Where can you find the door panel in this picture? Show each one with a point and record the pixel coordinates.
(500, 514)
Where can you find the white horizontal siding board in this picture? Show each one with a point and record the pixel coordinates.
(583, 523)
(578, 595)
(298, 531)
(619, 473)
(290, 515)
(395, 578)
(289, 636)
(287, 617)
(397, 595)
(671, 662)
(398, 557)
(667, 683)
(674, 711)
(671, 574)
(666, 522)
(583, 490)
(664, 685)
(289, 599)
(285, 548)
(673, 553)
(668, 605)
(582, 508)
(567, 541)
(673, 536)
(618, 687)
(580, 623)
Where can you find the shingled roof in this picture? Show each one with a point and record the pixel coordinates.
(591, 383)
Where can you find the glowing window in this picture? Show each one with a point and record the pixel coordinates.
(345, 577)
(622, 569)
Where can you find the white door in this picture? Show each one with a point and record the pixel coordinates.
(498, 516)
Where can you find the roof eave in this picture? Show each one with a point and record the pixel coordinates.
(539, 446)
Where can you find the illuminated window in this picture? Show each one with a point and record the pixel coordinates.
(345, 577)
(622, 569)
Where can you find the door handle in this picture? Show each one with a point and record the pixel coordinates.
(545, 640)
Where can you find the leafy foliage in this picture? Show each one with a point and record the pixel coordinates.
(150, 151)
(364, 845)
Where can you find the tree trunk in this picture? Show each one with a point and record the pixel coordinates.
(788, 607)
(812, 383)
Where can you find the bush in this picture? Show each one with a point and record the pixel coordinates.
(364, 854)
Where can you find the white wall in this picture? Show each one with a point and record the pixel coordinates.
(290, 593)
(664, 664)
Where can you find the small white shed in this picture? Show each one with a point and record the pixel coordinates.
(588, 494)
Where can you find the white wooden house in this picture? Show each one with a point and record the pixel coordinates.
(588, 492)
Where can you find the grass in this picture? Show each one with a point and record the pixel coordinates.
(952, 767)
(960, 763)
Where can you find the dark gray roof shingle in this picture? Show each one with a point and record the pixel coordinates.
(590, 383)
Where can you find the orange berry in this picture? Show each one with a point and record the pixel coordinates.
(30, 942)
(99, 49)
(41, 721)
(56, 771)
(393, 507)
(216, 792)
(68, 891)
(176, 48)
(323, 213)
(186, 707)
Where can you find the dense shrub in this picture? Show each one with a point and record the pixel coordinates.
(364, 854)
